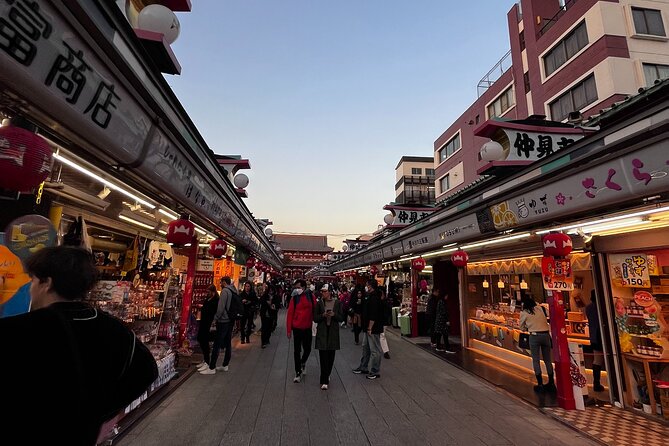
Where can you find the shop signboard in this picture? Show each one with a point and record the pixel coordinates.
(43, 59)
(629, 270)
(557, 274)
(419, 242)
(28, 234)
(457, 230)
(635, 174)
(407, 215)
(205, 265)
(14, 284)
(534, 146)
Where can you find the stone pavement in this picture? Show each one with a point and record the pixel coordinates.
(419, 400)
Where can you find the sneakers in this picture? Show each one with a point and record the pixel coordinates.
(386, 355)
(243, 341)
(449, 352)
(263, 346)
(304, 369)
(324, 387)
(208, 371)
(297, 379)
(222, 368)
(440, 350)
(359, 371)
(202, 366)
(373, 376)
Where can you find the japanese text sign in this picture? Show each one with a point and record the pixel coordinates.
(530, 146)
(557, 274)
(629, 270)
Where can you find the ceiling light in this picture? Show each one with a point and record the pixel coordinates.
(168, 213)
(496, 241)
(110, 185)
(162, 232)
(500, 284)
(594, 228)
(523, 285)
(134, 222)
(604, 220)
(485, 283)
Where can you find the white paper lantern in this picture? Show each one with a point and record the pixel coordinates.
(493, 151)
(268, 232)
(344, 248)
(159, 19)
(241, 181)
(388, 219)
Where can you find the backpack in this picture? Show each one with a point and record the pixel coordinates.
(235, 308)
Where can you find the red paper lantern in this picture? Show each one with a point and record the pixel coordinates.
(250, 262)
(181, 232)
(460, 258)
(217, 248)
(556, 244)
(373, 270)
(418, 264)
(25, 159)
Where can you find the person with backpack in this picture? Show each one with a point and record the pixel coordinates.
(229, 309)
(299, 321)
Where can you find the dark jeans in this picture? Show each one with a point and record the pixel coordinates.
(541, 343)
(266, 328)
(327, 358)
(274, 315)
(371, 353)
(437, 340)
(203, 339)
(223, 340)
(246, 325)
(302, 347)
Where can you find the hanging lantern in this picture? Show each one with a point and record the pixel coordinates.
(159, 19)
(217, 248)
(460, 258)
(557, 244)
(25, 159)
(250, 262)
(418, 264)
(181, 232)
(373, 270)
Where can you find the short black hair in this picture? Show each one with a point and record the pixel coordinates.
(226, 279)
(302, 282)
(72, 270)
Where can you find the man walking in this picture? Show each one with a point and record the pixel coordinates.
(223, 329)
(299, 322)
(372, 324)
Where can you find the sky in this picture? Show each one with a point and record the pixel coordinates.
(325, 96)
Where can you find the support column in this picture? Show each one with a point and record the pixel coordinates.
(565, 394)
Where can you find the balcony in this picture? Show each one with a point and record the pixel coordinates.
(419, 180)
(416, 197)
(549, 22)
(495, 73)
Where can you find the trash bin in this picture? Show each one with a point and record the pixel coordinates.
(405, 325)
(396, 312)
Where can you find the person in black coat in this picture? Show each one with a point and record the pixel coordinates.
(207, 313)
(442, 325)
(249, 300)
(269, 302)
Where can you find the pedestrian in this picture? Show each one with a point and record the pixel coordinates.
(249, 301)
(267, 305)
(442, 326)
(90, 369)
(299, 321)
(430, 315)
(207, 313)
(372, 322)
(274, 308)
(327, 315)
(345, 299)
(536, 323)
(356, 313)
(223, 337)
(595, 342)
(387, 320)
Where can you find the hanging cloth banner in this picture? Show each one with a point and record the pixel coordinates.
(131, 256)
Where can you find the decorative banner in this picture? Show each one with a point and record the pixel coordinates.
(28, 234)
(557, 274)
(131, 256)
(629, 270)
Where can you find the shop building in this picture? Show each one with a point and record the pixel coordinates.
(608, 192)
(565, 57)
(125, 172)
(302, 252)
(414, 176)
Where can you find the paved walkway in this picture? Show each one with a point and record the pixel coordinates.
(419, 400)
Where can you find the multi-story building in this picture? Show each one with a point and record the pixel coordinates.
(414, 176)
(302, 252)
(567, 57)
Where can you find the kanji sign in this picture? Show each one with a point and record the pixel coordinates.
(557, 274)
(629, 270)
(531, 146)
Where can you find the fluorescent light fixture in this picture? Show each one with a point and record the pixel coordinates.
(496, 241)
(592, 229)
(604, 220)
(162, 232)
(449, 245)
(134, 222)
(168, 213)
(110, 185)
(200, 231)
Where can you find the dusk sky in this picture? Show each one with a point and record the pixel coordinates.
(325, 96)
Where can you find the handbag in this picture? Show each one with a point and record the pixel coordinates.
(524, 340)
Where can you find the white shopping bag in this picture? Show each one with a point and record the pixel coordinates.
(384, 343)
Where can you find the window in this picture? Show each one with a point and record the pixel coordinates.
(501, 104)
(580, 95)
(573, 42)
(449, 148)
(444, 183)
(429, 172)
(416, 171)
(648, 21)
(478, 119)
(653, 72)
(526, 81)
(521, 38)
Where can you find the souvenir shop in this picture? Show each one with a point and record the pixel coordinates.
(97, 152)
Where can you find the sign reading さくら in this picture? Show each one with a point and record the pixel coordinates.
(629, 270)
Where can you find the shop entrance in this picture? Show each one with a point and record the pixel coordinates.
(445, 277)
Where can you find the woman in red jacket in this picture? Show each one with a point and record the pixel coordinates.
(299, 320)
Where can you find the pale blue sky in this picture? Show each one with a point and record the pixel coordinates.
(325, 96)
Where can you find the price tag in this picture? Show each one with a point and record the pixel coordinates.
(557, 274)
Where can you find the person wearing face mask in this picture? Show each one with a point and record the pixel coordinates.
(327, 315)
(372, 323)
(299, 321)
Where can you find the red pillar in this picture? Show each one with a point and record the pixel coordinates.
(188, 293)
(565, 393)
(414, 303)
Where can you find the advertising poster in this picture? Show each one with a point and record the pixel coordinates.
(629, 270)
